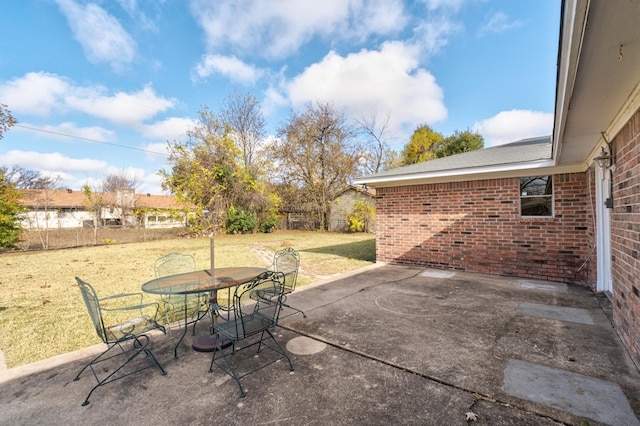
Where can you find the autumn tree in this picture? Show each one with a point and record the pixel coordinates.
(10, 210)
(242, 115)
(316, 151)
(23, 178)
(206, 171)
(459, 142)
(422, 145)
(94, 202)
(6, 119)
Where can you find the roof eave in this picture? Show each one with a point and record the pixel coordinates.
(540, 167)
(572, 29)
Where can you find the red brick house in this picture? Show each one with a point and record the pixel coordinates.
(564, 208)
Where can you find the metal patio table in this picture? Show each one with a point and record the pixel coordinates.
(200, 282)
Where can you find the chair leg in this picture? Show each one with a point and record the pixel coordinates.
(139, 345)
(280, 350)
(283, 303)
(227, 368)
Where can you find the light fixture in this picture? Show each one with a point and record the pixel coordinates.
(604, 160)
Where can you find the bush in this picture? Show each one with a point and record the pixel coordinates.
(360, 216)
(269, 223)
(240, 221)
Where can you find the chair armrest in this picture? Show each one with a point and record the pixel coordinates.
(121, 296)
(117, 303)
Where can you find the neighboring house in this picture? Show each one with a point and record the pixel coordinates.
(565, 208)
(54, 209)
(342, 206)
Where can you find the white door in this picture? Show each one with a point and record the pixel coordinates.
(603, 230)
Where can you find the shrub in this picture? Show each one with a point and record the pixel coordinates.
(269, 223)
(360, 217)
(240, 221)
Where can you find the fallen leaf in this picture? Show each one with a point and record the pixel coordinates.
(470, 416)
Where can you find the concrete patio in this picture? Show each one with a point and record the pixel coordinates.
(386, 345)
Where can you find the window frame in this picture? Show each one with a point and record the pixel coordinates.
(550, 196)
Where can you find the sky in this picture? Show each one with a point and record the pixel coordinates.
(99, 86)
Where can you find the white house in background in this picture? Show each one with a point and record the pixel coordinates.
(56, 209)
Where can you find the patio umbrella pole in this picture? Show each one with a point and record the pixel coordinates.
(213, 296)
(207, 342)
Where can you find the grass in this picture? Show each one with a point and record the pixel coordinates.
(41, 309)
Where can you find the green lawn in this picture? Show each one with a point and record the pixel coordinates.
(41, 309)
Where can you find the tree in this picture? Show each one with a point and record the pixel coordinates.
(242, 114)
(10, 210)
(376, 154)
(206, 172)
(460, 142)
(316, 152)
(422, 145)
(94, 202)
(6, 119)
(23, 178)
(119, 192)
(30, 179)
(114, 182)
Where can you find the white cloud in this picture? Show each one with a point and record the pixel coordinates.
(382, 81)
(277, 29)
(75, 172)
(169, 129)
(499, 22)
(100, 34)
(433, 34)
(65, 131)
(53, 162)
(43, 94)
(453, 5)
(511, 126)
(160, 148)
(229, 66)
(150, 183)
(121, 108)
(141, 14)
(35, 93)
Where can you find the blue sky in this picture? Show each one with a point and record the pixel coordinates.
(99, 86)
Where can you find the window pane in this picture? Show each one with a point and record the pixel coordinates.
(535, 185)
(535, 206)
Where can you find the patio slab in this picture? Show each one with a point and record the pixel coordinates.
(387, 345)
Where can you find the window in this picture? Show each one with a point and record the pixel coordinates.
(536, 196)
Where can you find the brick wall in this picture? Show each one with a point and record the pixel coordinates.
(476, 226)
(625, 236)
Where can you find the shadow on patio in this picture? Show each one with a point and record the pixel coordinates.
(387, 345)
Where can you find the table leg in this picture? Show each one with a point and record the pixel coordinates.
(186, 328)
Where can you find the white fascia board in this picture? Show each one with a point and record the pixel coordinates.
(574, 20)
(545, 167)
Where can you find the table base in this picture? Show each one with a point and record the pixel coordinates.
(210, 342)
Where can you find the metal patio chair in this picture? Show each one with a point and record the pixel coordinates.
(287, 261)
(173, 305)
(121, 321)
(256, 306)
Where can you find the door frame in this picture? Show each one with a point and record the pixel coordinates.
(603, 230)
